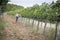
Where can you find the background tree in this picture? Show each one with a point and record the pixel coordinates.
(56, 7)
(3, 5)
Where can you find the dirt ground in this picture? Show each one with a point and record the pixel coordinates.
(17, 31)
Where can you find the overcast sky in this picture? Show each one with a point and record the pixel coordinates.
(28, 3)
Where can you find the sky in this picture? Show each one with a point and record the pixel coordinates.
(29, 3)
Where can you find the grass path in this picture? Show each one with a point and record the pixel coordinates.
(17, 31)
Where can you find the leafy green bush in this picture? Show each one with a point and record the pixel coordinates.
(11, 13)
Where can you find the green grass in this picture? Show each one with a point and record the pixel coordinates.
(49, 32)
(2, 25)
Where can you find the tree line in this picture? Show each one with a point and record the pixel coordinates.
(42, 12)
